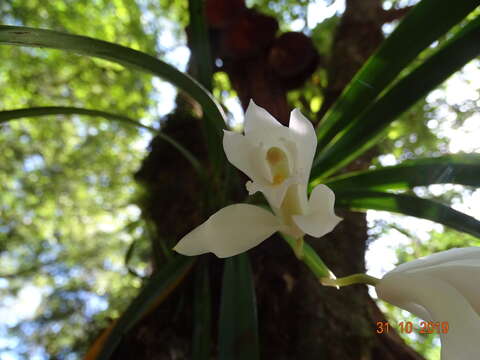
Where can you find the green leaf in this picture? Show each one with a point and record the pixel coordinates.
(310, 258)
(461, 169)
(200, 43)
(24, 36)
(366, 129)
(408, 205)
(423, 24)
(238, 329)
(201, 61)
(158, 288)
(128, 258)
(9, 115)
(202, 315)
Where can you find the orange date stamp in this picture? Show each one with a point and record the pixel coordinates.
(407, 327)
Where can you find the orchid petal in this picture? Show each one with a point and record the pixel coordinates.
(257, 118)
(305, 138)
(459, 274)
(273, 194)
(443, 303)
(237, 148)
(321, 218)
(230, 231)
(442, 257)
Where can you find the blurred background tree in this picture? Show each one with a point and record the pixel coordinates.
(88, 210)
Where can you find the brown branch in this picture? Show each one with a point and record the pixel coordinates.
(387, 16)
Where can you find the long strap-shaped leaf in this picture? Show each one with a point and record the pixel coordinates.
(369, 126)
(408, 205)
(424, 24)
(200, 43)
(238, 329)
(24, 36)
(461, 169)
(9, 115)
(202, 315)
(156, 290)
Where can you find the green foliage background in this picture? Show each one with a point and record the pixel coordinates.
(66, 182)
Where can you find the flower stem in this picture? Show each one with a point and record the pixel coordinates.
(299, 248)
(350, 280)
(310, 258)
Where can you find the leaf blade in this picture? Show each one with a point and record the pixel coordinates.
(417, 30)
(367, 128)
(201, 62)
(238, 329)
(200, 43)
(25, 36)
(408, 205)
(15, 114)
(460, 169)
(202, 315)
(7, 115)
(156, 290)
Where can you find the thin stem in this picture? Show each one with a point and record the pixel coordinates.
(350, 280)
(299, 248)
(310, 258)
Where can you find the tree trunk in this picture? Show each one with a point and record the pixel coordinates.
(298, 318)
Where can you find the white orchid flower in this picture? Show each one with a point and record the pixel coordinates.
(443, 287)
(273, 156)
(278, 160)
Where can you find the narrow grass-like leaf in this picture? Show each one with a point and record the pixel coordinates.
(417, 31)
(201, 62)
(200, 43)
(202, 315)
(9, 115)
(24, 36)
(366, 130)
(310, 258)
(238, 328)
(128, 258)
(461, 169)
(155, 291)
(408, 205)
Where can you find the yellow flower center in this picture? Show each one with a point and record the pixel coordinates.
(275, 155)
(278, 179)
(278, 163)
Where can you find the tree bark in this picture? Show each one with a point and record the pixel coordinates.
(298, 318)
